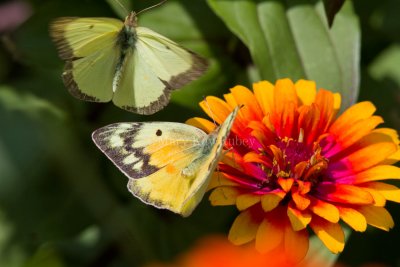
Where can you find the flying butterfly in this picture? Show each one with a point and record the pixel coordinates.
(168, 164)
(135, 67)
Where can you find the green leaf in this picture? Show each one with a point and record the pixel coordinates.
(332, 7)
(293, 40)
(12, 100)
(386, 65)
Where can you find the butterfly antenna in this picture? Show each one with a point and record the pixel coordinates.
(121, 5)
(156, 5)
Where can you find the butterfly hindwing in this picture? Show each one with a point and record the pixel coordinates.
(169, 165)
(160, 66)
(140, 90)
(173, 64)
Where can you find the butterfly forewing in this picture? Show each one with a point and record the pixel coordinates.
(139, 149)
(88, 46)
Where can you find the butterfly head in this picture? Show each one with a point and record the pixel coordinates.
(131, 20)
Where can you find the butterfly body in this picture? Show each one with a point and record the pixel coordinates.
(126, 41)
(168, 164)
(112, 60)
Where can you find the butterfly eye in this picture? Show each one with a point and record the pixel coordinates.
(159, 132)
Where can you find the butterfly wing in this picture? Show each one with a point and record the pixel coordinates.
(155, 68)
(169, 165)
(89, 47)
(153, 155)
(206, 168)
(140, 91)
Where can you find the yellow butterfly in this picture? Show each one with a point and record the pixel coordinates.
(135, 67)
(168, 164)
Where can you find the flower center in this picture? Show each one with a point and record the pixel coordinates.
(293, 159)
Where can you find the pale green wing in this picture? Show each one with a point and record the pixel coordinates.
(89, 47)
(79, 37)
(172, 63)
(155, 68)
(140, 90)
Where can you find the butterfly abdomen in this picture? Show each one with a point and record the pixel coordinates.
(126, 42)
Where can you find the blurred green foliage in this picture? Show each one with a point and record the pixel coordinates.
(62, 203)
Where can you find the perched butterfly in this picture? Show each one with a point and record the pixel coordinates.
(135, 67)
(168, 164)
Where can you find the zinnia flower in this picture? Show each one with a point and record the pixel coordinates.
(293, 164)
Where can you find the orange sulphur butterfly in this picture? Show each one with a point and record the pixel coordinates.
(168, 164)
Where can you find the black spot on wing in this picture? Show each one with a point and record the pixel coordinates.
(159, 132)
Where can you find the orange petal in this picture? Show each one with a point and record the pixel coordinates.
(389, 132)
(224, 196)
(306, 91)
(337, 101)
(245, 201)
(232, 159)
(271, 200)
(269, 236)
(302, 202)
(392, 159)
(325, 103)
(216, 108)
(286, 183)
(218, 179)
(378, 217)
(264, 93)
(356, 131)
(380, 172)
(254, 157)
(284, 92)
(379, 199)
(369, 156)
(325, 210)
(244, 228)
(390, 192)
(296, 244)
(353, 218)
(342, 193)
(202, 124)
(284, 121)
(392, 134)
(250, 110)
(331, 234)
(285, 107)
(298, 219)
(309, 117)
(353, 114)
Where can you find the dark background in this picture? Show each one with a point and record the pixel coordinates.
(62, 203)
